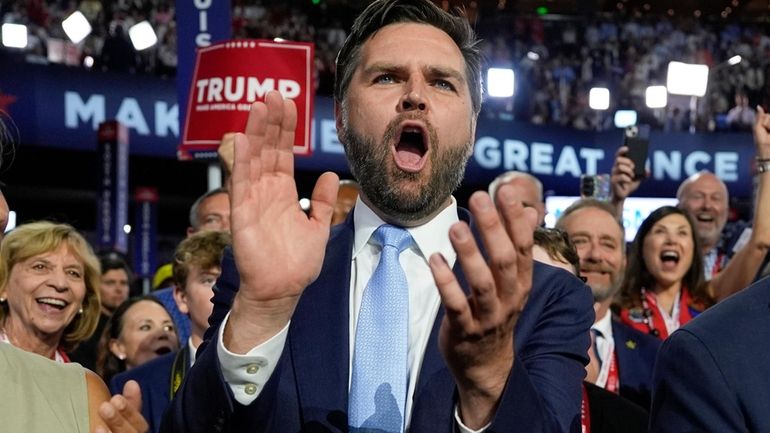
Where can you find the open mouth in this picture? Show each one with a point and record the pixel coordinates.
(162, 350)
(411, 147)
(58, 304)
(705, 218)
(669, 257)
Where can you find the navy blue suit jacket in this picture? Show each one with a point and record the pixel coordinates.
(308, 390)
(714, 373)
(154, 379)
(636, 353)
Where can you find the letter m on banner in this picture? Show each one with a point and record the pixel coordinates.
(229, 76)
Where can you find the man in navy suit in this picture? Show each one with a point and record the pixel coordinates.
(713, 374)
(496, 342)
(196, 266)
(623, 358)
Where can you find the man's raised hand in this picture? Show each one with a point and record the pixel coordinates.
(278, 248)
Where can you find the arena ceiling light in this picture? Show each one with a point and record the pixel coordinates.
(142, 35)
(14, 35)
(687, 79)
(599, 98)
(625, 118)
(500, 82)
(77, 27)
(734, 60)
(656, 96)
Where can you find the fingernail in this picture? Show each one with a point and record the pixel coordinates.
(120, 404)
(484, 203)
(109, 412)
(459, 233)
(438, 259)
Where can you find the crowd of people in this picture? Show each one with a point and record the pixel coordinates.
(557, 59)
(386, 306)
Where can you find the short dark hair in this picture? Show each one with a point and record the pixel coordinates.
(557, 244)
(111, 261)
(194, 223)
(381, 13)
(203, 249)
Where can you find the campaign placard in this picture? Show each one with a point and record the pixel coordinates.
(230, 76)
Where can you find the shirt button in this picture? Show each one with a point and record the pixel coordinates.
(252, 368)
(250, 389)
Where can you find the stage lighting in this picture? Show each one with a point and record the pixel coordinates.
(142, 35)
(500, 82)
(14, 35)
(656, 96)
(76, 27)
(599, 98)
(625, 118)
(687, 79)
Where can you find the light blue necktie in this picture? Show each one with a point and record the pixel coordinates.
(378, 385)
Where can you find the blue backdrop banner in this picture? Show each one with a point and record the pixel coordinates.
(61, 107)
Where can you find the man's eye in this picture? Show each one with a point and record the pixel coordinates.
(384, 79)
(446, 85)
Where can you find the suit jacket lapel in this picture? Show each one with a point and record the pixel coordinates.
(320, 353)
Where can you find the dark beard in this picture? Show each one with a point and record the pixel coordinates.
(386, 186)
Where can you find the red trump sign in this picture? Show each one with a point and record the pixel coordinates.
(229, 76)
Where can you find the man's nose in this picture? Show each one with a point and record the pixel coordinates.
(414, 97)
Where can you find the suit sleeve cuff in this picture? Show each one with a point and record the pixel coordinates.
(461, 428)
(247, 374)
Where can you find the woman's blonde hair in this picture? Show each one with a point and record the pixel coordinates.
(36, 238)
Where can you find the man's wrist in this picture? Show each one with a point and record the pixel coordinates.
(254, 322)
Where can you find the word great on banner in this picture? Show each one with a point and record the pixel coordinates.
(231, 75)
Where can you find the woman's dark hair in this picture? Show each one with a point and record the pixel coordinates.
(107, 364)
(637, 275)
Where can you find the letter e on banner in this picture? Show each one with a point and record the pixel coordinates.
(230, 75)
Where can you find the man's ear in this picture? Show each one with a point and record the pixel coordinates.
(180, 297)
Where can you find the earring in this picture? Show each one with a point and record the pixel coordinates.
(2, 299)
(80, 311)
(122, 357)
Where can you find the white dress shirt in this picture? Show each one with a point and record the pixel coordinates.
(605, 346)
(246, 381)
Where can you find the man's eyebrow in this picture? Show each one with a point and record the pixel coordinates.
(381, 67)
(447, 72)
(433, 71)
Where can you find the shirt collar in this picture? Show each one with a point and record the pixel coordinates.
(425, 236)
(604, 325)
(192, 350)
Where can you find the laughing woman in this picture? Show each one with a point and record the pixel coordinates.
(49, 279)
(663, 287)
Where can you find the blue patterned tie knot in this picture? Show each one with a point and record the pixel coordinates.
(392, 236)
(378, 384)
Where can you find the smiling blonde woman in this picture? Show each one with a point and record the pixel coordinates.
(49, 279)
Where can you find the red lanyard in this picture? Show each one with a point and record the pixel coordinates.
(613, 380)
(585, 413)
